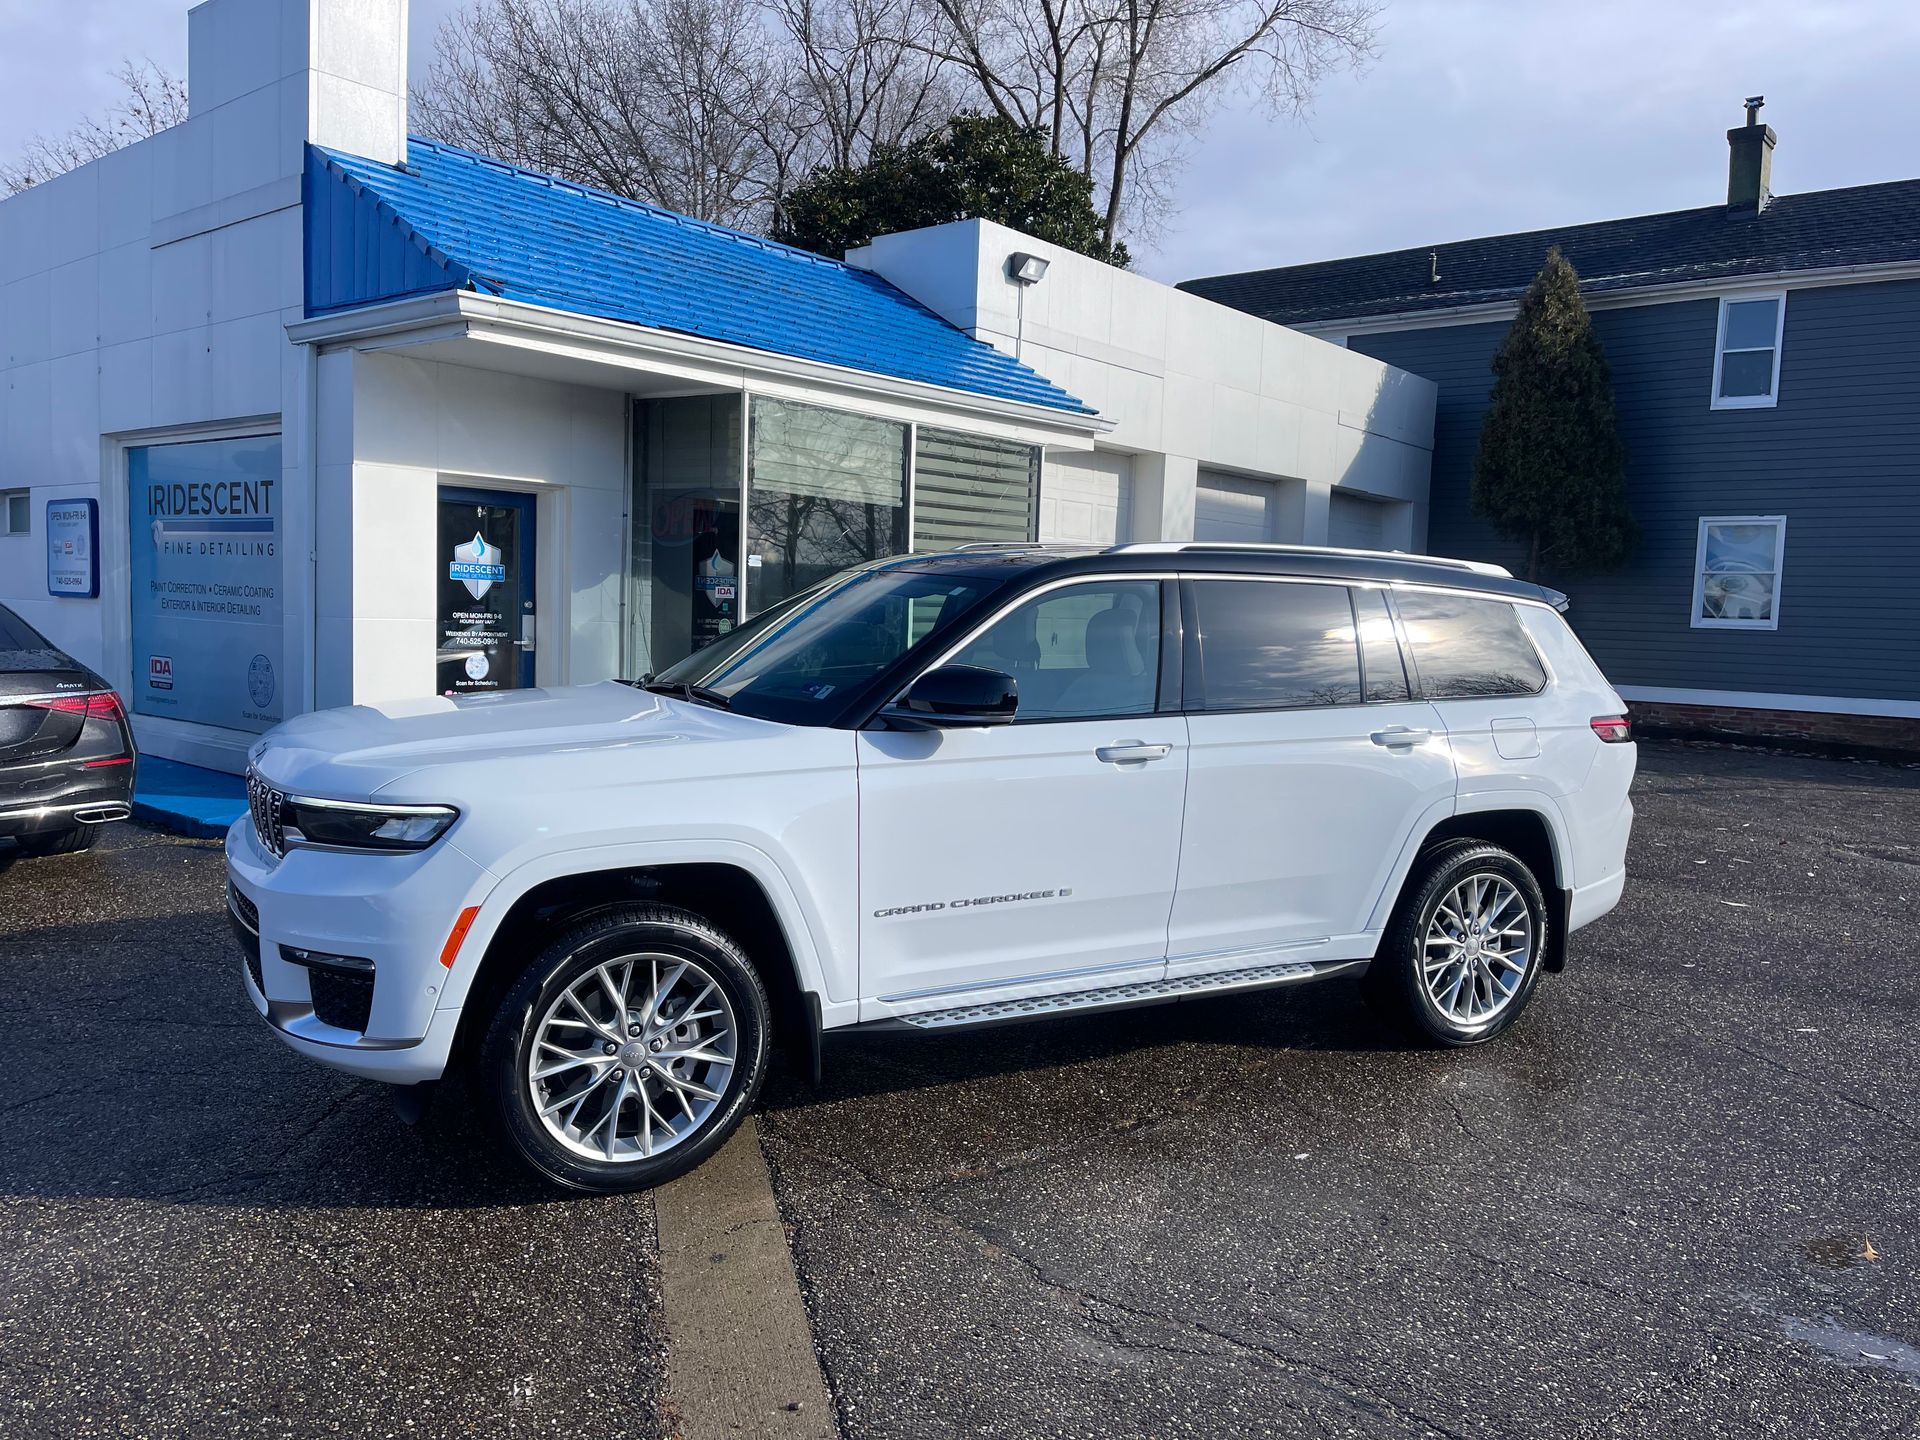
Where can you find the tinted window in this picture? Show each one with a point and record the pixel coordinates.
(16, 634)
(799, 661)
(1083, 651)
(1265, 644)
(1380, 647)
(1465, 647)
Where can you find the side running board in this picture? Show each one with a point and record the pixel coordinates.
(1110, 997)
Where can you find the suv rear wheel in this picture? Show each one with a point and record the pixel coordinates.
(1460, 960)
(629, 1051)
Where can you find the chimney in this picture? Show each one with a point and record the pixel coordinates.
(1750, 162)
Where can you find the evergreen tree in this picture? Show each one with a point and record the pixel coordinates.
(977, 166)
(1551, 472)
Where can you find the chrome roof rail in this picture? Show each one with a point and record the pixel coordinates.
(1228, 547)
(979, 545)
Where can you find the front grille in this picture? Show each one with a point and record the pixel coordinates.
(341, 999)
(264, 803)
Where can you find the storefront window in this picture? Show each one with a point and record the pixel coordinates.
(824, 490)
(204, 546)
(827, 490)
(970, 488)
(685, 590)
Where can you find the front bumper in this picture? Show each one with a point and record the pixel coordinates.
(391, 911)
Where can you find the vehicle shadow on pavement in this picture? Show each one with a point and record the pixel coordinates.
(1328, 1016)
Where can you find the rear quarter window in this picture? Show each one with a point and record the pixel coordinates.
(1468, 648)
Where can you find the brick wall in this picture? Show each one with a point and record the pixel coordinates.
(1880, 734)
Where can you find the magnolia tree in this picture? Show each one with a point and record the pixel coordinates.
(1552, 472)
(977, 166)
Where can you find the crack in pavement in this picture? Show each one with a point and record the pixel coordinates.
(1350, 1388)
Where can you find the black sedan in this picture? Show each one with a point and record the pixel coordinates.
(66, 752)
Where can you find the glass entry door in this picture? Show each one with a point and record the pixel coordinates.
(484, 623)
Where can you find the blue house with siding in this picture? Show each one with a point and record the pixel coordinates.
(1766, 363)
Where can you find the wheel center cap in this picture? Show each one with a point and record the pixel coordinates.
(633, 1055)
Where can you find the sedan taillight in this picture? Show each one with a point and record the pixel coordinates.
(101, 704)
(1614, 729)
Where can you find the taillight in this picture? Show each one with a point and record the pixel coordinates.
(101, 704)
(1613, 729)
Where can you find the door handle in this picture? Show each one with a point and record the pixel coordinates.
(1132, 751)
(1400, 737)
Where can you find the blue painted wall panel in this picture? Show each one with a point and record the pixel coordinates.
(1839, 456)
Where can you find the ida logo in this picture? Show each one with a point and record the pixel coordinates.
(160, 672)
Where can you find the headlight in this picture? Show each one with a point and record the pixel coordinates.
(363, 827)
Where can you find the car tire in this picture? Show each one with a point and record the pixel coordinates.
(686, 998)
(1462, 954)
(60, 842)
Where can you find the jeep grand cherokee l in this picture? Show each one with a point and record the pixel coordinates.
(935, 792)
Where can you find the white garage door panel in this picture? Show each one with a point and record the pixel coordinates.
(1228, 508)
(1087, 499)
(1356, 523)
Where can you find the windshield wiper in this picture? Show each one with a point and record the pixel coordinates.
(686, 690)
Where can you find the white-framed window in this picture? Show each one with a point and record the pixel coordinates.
(1746, 354)
(16, 512)
(1736, 572)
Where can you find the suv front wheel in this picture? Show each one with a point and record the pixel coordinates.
(1461, 958)
(629, 1051)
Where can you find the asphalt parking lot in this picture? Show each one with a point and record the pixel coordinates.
(1682, 1198)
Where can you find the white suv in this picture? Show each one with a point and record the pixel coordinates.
(934, 792)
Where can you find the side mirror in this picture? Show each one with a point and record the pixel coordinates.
(960, 695)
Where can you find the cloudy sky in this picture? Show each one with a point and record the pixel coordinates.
(1479, 116)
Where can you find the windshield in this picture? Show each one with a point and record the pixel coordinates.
(800, 661)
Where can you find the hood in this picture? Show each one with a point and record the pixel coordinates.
(358, 751)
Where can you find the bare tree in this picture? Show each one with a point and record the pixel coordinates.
(1116, 84)
(720, 107)
(864, 76)
(670, 101)
(151, 100)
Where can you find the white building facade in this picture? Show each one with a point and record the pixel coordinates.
(358, 418)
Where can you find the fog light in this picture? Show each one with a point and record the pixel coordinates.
(321, 960)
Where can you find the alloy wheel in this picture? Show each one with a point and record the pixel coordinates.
(1477, 949)
(633, 1057)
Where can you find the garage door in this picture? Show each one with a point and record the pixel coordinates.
(1356, 523)
(1087, 499)
(1228, 508)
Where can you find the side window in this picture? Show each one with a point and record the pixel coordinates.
(1736, 572)
(1266, 645)
(1380, 656)
(1467, 648)
(1746, 360)
(1082, 652)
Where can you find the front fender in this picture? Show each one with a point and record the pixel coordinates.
(820, 971)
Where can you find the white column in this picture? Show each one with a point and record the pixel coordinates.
(1164, 489)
